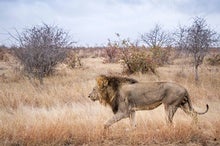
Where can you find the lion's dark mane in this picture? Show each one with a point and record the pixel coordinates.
(112, 89)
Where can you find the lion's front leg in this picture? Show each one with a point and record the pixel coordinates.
(132, 120)
(117, 117)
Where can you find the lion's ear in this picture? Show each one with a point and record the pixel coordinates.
(102, 81)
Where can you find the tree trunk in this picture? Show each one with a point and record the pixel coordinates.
(196, 73)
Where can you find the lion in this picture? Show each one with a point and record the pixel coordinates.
(127, 95)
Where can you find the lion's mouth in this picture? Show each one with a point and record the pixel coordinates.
(93, 99)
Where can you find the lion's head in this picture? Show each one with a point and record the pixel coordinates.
(107, 90)
(94, 95)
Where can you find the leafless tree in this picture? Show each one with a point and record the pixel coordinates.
(111, 52)
(156, 37)
(197, 40)
(159, 42)
(40, 49)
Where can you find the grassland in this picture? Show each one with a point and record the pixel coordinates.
(59, 112)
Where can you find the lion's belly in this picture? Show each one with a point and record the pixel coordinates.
(145, 101)
(146, 107)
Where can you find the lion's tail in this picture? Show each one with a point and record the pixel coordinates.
(191, 108)
(200, 113)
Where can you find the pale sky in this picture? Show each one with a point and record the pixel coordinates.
(93, 22)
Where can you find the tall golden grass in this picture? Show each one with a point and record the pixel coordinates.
(59, 112)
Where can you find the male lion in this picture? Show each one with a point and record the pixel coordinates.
(126, 95)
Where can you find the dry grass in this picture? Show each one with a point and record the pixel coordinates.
(59, 112)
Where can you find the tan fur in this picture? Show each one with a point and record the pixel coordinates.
(126, 95)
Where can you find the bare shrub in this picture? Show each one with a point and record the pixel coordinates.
(159, 43)
(134, 58)
(157, 37)
(40, 49)
(73, 60)
(3, 54)
(214, 60)
(160, 55)
(137, 60)
(111, 52)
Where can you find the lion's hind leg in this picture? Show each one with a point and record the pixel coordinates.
(189, 111)
(170, 111)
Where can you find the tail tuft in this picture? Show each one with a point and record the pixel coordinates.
(207, 107)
